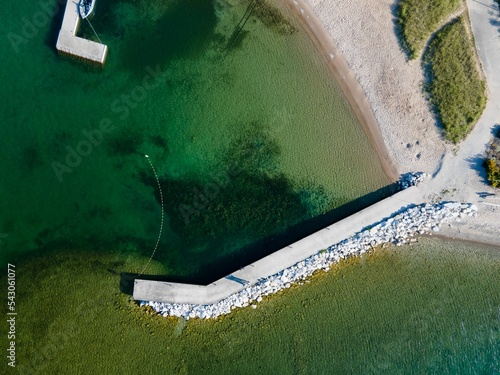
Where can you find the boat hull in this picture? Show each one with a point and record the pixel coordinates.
(86, 8)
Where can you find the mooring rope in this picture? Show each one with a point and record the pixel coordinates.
(93, 30)
(162, 215)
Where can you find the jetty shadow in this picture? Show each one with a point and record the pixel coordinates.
(225, 265)
(127, 280)
(55, 25)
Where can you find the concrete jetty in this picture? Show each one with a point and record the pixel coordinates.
(70, 45)
(177, 293)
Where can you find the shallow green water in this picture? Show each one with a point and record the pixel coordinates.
(430, 308)
(268, 107)
(246, 141)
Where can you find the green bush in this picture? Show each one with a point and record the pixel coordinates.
(455, 85)
(418, 19)
(493, 172)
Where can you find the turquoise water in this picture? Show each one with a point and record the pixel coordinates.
(247, 139)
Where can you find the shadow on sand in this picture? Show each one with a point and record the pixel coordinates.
(398, 30)
(476, 163)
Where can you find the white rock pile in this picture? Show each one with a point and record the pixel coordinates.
(411, 179)
(399, 229)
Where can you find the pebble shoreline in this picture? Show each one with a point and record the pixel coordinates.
(399, 229)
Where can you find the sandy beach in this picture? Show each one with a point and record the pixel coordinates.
(359, 42)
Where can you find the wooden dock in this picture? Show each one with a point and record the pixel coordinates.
(70, 45)
(170, 292)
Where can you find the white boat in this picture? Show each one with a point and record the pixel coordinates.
(86, 8)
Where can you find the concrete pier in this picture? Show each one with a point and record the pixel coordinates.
(71, 45)
(148, 290)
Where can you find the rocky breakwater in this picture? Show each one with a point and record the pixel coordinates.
(412, 179)
(398, 229)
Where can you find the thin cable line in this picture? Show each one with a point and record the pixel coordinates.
(162, 215)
